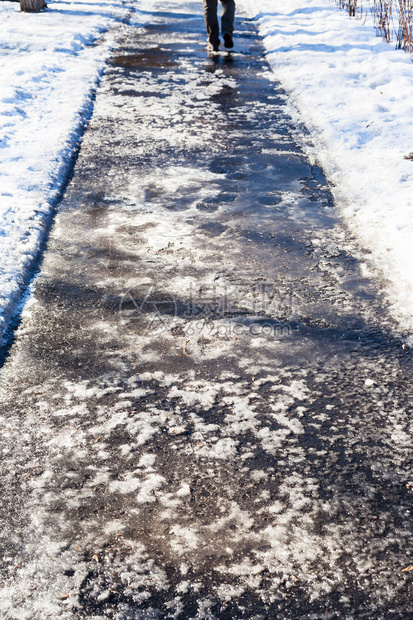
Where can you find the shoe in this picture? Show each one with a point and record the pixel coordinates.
(228, 41)
(213, 47)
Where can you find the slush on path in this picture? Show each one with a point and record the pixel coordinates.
(205, 412)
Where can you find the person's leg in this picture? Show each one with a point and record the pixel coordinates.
(228, 14)
(211, 21)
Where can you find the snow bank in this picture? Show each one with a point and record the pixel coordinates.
(49, 70)
(354, 93)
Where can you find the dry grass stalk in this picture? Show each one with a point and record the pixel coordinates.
(382, 14)
(387, 13)
(405, 31)
(349, 5)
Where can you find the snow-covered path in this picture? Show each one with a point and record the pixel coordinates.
(205, 413)
(353, 90)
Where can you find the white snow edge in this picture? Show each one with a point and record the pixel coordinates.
(51, 64)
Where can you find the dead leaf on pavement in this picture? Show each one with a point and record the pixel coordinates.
(406, 570)
(184, 349)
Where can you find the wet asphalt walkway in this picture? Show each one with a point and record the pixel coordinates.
(205, 412)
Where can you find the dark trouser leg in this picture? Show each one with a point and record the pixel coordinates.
(211, 21)
(228, 13)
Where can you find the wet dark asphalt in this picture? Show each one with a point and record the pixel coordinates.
(206, 410)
